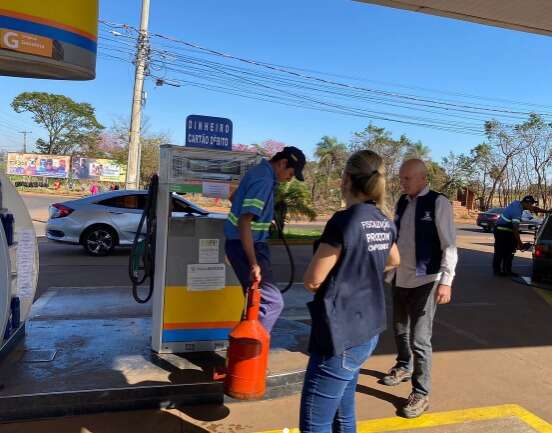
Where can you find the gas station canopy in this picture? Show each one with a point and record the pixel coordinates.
(532, 16)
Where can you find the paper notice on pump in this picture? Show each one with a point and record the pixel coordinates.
(216, 189)
(203, 277)
(208, 251)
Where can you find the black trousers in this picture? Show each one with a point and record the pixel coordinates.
(504, 250)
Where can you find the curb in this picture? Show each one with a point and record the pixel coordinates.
(32, 406)
(70, 403)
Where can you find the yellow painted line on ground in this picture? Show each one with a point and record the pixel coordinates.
(545, 294)
(449, 418)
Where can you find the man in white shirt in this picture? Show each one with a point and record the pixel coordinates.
(427, 246)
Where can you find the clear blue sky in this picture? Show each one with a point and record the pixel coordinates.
(341, 37)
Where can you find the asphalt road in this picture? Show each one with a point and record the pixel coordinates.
(69, 266)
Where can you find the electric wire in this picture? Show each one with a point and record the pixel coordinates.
(296, 87)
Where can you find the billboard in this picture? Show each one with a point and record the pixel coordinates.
(32, 164)
(103, 170)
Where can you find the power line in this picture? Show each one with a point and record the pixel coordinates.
(221, 69)
(285, 86)
(322, 80)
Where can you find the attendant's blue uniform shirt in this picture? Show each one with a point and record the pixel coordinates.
(349, 307)
(511, 215)
(255, 195)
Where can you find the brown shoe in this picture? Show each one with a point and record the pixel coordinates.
(416, 405)
(396, 376)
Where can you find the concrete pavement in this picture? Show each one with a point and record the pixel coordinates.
(493, 346)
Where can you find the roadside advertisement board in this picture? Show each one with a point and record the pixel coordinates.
(103, 170)
(31, 164)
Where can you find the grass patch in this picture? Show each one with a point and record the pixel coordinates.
(296, 233)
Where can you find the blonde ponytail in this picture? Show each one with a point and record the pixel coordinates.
(367, 173)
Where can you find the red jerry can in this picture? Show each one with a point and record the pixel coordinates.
(247, 356)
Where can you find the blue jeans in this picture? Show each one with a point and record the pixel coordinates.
(328, 398)
(272, 302)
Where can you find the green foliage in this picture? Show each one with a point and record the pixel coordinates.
(456, 168)
(437, 176)
(392, 152)
(299, 234)
(292, 199)
(70, 125)
(117, 147)
(332, 156)
(417, 151)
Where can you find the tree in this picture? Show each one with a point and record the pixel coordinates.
(239, 147)
(115, 144)
(436, 175)
(537, 135)
(417, 151)
(70, 124)
(456, 168)
(331, 156)
(482, 166)
(269, 148)
(292, 199)
(506, 145)
(392, 152)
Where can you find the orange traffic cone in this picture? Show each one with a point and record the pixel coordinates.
(247, 356)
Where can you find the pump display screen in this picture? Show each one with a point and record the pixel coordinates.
(201, 168)
(214, 166)
(211, 173)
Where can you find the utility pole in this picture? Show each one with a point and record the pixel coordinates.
(134, 145)
(25, 139)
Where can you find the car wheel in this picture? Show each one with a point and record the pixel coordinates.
(99, 241)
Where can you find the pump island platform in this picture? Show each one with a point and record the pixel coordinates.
(89, 350)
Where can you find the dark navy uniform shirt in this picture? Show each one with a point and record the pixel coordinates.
(349, 307)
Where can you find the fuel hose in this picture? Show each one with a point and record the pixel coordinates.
(279, 222)
(142, 253)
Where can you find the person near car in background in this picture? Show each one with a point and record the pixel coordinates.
(506, 234)
(248, 223)
(427, 245)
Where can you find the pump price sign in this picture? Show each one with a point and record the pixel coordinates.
(209, 132)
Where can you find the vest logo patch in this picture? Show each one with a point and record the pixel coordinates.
(427, 216)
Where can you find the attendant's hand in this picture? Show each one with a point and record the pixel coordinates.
(443, 294)
(255, 273)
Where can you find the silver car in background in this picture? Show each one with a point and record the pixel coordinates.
(101, 222)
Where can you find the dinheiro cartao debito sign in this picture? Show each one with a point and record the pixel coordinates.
(209, 132)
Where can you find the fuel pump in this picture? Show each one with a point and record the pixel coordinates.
(197, 299)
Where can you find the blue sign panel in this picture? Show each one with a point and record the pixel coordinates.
(209, 132)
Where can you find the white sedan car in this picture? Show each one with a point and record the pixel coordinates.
(101, 222)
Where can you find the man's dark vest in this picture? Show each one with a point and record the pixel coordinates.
(428, 245)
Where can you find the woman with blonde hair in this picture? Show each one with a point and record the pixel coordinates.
(348, 310)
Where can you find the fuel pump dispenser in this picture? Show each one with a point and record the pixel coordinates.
(197, 299)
